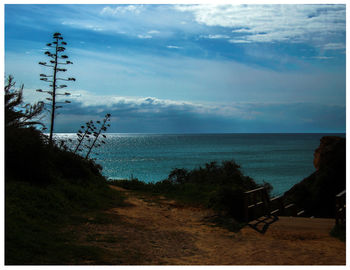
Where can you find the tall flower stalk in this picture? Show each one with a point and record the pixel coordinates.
(97, 134)
(56, 60)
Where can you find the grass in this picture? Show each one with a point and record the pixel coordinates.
(36, 215)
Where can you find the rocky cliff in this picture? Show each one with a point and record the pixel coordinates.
(316, 193)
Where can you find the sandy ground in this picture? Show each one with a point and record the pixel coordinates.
(162, 233)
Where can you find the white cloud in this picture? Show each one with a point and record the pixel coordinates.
(121, 9)
(243, 30)
(323, 57)
(153, 32)
(94, 26)
(238, 41)
(334, 46)
(273, 23)
(152, 105)
(88, 99)
(173, 47)
(216, 36)
(144, 36)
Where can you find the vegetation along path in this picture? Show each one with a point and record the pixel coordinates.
(157, 231)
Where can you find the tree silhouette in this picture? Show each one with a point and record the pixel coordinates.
(83, 133)
(97, 134)
(18, 114)
(55, 55)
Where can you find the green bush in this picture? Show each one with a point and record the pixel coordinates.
(220, 187)
(229, 199)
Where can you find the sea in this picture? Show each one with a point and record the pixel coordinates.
(279, 159)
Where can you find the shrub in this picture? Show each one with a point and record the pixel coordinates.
(218, 186)
(230, 200)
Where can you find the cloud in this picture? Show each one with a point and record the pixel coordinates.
(323, 57)
(144, 36)
(216, 36)
(153, 32)
(173, 47)
(151, 114)
(93, 26)
(152, 105)
(121, 10)
(238, 41)
(334, 46)
(273, 23)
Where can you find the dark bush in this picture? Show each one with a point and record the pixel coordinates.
(133, 184)
(218, 186)
(29, 158)
(230, 200)
(178, 176)
(26, 155)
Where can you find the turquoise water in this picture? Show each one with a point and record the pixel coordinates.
(280, 159)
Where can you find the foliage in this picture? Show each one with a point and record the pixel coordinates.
(55, 57)
(84, 134)
(227, 173)
(97, 133)
(29, 158)
(220, 187)
(91, 134)
(18, 114)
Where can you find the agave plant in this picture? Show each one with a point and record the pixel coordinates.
(89, 136)
(103, 128)
(84, 133)
(55, 62)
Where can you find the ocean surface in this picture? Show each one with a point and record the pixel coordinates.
(280, 159)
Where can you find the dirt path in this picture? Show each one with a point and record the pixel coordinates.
(159, 232)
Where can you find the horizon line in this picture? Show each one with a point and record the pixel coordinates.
(208, 133)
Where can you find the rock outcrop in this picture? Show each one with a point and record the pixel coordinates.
(316, 193)
(331, 151)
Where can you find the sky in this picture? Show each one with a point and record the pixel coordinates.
(185, 68)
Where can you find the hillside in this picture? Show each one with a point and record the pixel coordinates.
(46, 189)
